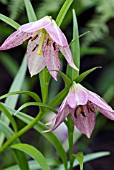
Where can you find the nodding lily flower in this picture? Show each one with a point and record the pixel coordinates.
(45, 39)
(81, 104)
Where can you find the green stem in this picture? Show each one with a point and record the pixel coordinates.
(44, 77)
(70, 138)
(21, 132)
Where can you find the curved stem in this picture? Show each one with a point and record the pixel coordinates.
(21, 132)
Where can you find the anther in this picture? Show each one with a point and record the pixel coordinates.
(35, 47)
(26, 41)
(33, 38)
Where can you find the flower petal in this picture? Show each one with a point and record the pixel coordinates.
(77, 96)
(50, 26)
(56, 34)
(37, 25)
(15, 39)
(58, 119)
(85, 120)
(101, 105)
(35, 62)
(108, 114)
(68, 56)
(63, 105)
(50, 52)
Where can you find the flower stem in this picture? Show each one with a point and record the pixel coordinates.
(70, 138)
(44, 83)
(21, 132)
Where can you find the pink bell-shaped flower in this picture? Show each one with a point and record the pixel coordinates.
(81, 104)
(45, 39)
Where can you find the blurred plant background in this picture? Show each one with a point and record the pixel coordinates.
(97, 49)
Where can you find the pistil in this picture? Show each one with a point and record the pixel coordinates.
(41, 42)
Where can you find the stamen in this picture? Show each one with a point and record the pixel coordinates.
(80, 109)
(89, 109)
(75, 115)
(83, 114)
(48, 42)
(35, 47)
(54, 46)
(33, 38)
(26, 41)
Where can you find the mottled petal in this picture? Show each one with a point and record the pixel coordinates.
(68, 56)
(84, 119)
(59, 118)
(15, 39)
(63, 105)
(77, 96)
(37, 25)
(50, 26)
(101, 105)
(51, 122)
(56, 34)
(35, 62)
(108, 114)
(50, 52)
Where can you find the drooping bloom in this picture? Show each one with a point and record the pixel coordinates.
(45, 39)
(81, 104)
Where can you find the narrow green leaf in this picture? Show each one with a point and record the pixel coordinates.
(92, 156)
(6, 130)
(65, 78)
(10, 117)
(63, 11)
(8, 61)
(17, 84)
(29, 93)
(80, 157)
(75, 48)
(33, 165)
(34, 153)
(92, 51)
(12, 100)
(40, 127)
(87, 158)
(20, 157)
(9, 21)
(34, 104)
(59, 97)
(21, 160)
(79, 37)
(30, 11)
(86, 73)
